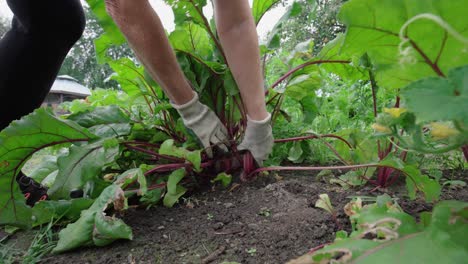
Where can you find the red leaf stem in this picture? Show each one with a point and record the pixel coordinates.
(427, 60)
(313, 137)
(152, 153)
(302, 66)
(465, 151)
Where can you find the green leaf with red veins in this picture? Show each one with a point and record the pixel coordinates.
(20, 141)
(188, 10)
(432, 49)
(195, 41)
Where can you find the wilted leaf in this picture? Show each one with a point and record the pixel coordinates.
(131, 176)
(385, 236)
(94, 227)
(325, 203)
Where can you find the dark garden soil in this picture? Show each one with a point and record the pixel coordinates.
(269, 220)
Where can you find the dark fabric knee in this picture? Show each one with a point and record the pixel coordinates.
(32, 52)
(61, 20)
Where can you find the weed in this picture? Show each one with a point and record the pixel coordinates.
(42, 244)
(265, 212)
(325, 203)
(209, 216)
(8, 254)
(251, 251)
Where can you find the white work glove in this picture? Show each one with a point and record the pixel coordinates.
(258, 139)
(204, 123)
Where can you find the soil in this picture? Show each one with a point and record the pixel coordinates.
(269, 220)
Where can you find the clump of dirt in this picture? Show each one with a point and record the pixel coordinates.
(264, 221)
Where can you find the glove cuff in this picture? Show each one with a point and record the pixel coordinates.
(259, 122)
(188, 105)
(193, 111)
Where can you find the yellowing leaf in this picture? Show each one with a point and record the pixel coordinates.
(324, 203)
(395, 112)
(442, 131)
(353, 207)
(381, 128)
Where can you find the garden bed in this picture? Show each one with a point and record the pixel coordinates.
(270, 220)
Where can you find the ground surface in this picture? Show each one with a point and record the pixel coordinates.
(270, 220)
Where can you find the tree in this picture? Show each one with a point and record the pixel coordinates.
(317, 21)
(81, 62)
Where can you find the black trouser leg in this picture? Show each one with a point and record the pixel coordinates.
(31, 53)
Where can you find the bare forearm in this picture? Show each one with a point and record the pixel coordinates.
(145, 33)
(238, 35)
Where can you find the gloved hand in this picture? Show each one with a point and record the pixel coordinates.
(204, 123)
(258, 139)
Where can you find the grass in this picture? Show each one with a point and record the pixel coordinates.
(42, 244)
(8, 254)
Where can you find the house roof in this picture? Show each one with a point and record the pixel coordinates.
(65, 84)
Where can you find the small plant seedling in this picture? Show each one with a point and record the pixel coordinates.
(265, 212)
(325, 203)
(209, 216)
(455, 184)
(224, 179)
(252, 251)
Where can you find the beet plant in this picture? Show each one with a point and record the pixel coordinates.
(393, 54)
(130, 146)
